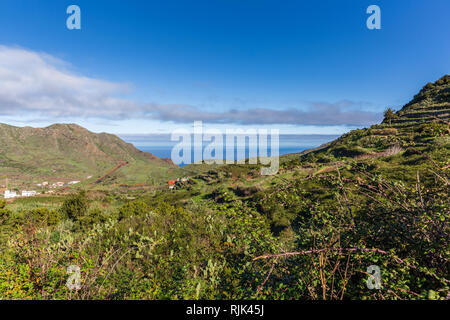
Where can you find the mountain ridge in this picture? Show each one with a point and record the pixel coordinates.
(67, 150)
(430, 103)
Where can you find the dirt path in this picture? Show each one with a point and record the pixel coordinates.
(120, 165)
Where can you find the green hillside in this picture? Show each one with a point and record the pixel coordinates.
(431, 103)
(66, 152)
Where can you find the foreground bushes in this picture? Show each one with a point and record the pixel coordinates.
(162, 253)
(306, 238)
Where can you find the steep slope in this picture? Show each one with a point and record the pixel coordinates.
(421, 125)
(68, 151)
(431, 103)
(416, 138)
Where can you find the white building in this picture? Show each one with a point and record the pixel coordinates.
(28, 193)
(57, 184)
(73, 182)
(10, 194)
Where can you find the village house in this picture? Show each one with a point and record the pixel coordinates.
(172, 184)
(9, 194)
(3, 191)
(57, 184)
(179, 182)
(26, 193)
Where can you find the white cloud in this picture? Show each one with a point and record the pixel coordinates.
(37, 84)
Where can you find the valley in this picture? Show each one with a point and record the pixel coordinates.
(141, 227)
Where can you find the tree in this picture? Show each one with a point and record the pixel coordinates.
(389, 115)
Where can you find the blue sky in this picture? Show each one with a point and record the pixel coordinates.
(152, 66)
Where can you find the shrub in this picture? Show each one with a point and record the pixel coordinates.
(75, 206)
(93, 217)
(43, 216)
(133, 209)
(344, 151)
(384, 131)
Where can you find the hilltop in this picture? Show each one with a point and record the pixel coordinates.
(70, 152)
(431, 103)
(419, 126)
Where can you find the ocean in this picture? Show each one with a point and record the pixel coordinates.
(161, 145)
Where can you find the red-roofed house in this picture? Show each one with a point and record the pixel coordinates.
(172, 183)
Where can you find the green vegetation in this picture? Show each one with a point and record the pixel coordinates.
(67, 152)
(376, 196)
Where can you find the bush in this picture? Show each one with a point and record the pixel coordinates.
(75, 206)
(384, 131)
(43, 216)
(93, 217)
(133, 209)
(344, 151)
